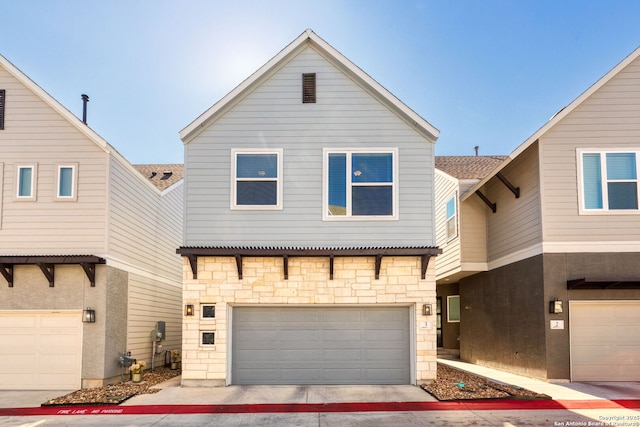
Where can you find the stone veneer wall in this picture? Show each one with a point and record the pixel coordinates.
(308, 283)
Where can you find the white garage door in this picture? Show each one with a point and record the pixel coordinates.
(321, 345)
(605, 340)
(40, 350)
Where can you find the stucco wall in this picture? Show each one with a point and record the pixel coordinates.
(263, 282)
(502, 315)
(558, 268)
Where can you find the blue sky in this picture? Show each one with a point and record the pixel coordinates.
(484, 72)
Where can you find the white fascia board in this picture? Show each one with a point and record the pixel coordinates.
(556, 119)
(410, 116)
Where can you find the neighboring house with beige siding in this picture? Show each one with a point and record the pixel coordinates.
(80, 228)
(461, 233)
(560, 297)
(309, 230)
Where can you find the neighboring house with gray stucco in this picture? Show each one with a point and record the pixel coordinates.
(80, 228)
(554, 290)
(309, 230)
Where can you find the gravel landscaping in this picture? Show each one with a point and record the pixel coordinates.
(114, 394)
(455, 384)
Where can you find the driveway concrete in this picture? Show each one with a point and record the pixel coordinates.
(593, 404)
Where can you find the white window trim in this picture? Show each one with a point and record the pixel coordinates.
(449, 311)
(208, 345)
(74, 183)
(278, 206)
(455, 217)
(207, 319)
(34, 181)
(605, 200)
(325, 185)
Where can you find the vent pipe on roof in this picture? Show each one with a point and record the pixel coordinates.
(85, 99)
(477, 147)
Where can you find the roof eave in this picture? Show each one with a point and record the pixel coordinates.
(555, 120)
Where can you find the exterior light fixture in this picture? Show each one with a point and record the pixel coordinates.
(555, 306)
(188, 310)
(426, 309)
(89, 315)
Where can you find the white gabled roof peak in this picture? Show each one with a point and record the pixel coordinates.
(53, 103)
(308, 36)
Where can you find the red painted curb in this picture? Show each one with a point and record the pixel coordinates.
(496, 405)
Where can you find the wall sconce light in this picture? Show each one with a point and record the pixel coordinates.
(555, 306)
(188, 310)
(426, 309)
(89, 315)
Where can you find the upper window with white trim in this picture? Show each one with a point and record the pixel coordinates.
(26, 178)
(360, 184)
(609, 181)
(66, 182)
(452, 223)
(256, 179)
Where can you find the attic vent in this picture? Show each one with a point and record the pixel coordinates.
(2, 96)
(166, 175)
(309, 88)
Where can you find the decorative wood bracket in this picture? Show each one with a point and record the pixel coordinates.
(193, 262)
(484, 198)
(90, 271)
(378, 264)
(49, 271)
(425, 254)
(515, 190)
(424, 264)
(7, 272)
(239, 266)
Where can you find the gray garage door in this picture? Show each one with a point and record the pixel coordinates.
(326, 345)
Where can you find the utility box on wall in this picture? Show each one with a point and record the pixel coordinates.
(158, 334)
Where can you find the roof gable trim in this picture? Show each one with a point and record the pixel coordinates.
(300, 43)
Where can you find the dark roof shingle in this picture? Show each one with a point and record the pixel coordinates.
(162, 176)
(468, 167)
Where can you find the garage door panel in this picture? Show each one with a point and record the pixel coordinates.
(605, 340)
(339, 346)
(298, 355)
(337, 335)
(342, 355)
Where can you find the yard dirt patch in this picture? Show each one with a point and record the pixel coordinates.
(456, 384)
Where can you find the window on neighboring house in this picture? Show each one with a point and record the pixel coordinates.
(66, 188)
(452, 225)
(26, 182)
(309, 88)
(609, 181)
(2, 101)
(257, 179)
(207, 338)
(360, 184)
(453, 308)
